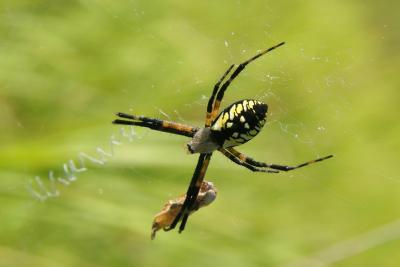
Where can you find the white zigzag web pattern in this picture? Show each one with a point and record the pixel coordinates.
(41, 189)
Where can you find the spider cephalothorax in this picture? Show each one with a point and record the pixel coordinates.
(235, 125)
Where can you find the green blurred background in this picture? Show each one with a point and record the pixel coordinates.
(66, 67)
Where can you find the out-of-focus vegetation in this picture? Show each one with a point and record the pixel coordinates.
(66, 67)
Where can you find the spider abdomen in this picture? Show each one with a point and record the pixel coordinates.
(239, 122)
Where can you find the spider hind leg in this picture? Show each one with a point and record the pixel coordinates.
(235, 73)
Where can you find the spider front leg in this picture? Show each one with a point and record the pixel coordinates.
(192, 192)
(207, 195)
(246, 161)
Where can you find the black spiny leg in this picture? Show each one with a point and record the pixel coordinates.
(254, 163)
(156, 124)
(236, 159)
(237, 71)
(192, 192)
(211, 100)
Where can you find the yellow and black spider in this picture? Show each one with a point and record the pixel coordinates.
(235, 125)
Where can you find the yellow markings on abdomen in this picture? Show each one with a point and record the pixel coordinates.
(220, 122)
(239, 122)
(232, 112)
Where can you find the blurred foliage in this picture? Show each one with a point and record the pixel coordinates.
(66, 67)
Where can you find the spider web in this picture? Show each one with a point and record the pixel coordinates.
(271, 86)
(42, 188)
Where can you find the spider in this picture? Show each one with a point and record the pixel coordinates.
(235, 125)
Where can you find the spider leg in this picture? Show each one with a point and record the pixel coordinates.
(237, 71)
(156, 124)
(183, 223)
(236, 159)
(192, 192)
(212, 98)
(252, 162)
